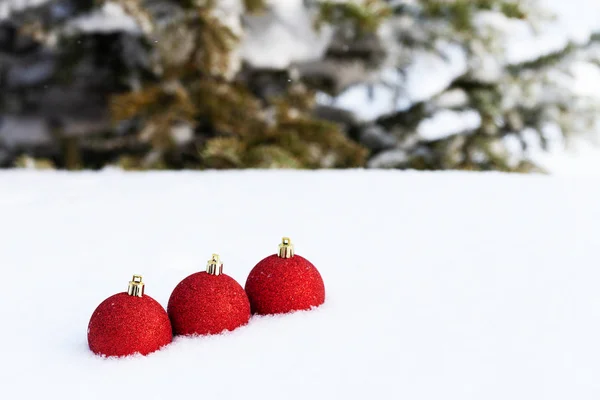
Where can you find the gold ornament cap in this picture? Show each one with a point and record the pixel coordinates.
(136, 286)
(286, 248)
(214, 265)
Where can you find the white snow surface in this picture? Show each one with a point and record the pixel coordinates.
(439, 285)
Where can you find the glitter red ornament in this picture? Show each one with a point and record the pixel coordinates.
(284, 282)
(208, 302)
(128, 323)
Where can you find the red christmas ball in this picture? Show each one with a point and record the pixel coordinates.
(128, 323)
(207, 303)
(284, 282)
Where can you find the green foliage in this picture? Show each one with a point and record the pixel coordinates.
(254, 6)
(513, 10)
(287, 138)
(362, 18)
(192, 56)
(25, 161)
(189, 82)
(548, 60)
(460, 12)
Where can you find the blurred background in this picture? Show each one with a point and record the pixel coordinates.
(220, 84)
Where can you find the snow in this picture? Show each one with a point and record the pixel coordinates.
(9, 6)
(366, 102)
(573, 21)
(109, 18)
(580, 158)
(429, 74)
(389, 159)
(282, 35)
(585, 79)
(514, 149)
(447, 123)
(439, 285)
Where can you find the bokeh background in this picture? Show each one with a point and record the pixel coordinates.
(409, 84)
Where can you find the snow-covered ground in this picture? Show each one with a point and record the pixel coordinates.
(439, 285)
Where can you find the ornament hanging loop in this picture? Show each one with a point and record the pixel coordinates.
(136, 286)
(286, 248)
(214, 265)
